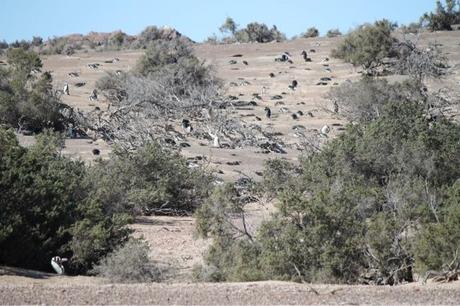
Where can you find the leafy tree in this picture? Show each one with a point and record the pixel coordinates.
(259, 32)
(444, 16)
(229, 26)
(368, 45)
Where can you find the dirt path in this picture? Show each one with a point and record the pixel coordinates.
(260, 293)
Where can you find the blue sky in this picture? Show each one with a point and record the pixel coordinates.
(198, 19)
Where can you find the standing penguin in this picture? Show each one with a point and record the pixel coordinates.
(268, 112)
(66, 89)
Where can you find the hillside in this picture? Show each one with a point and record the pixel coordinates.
(243, 81)
(172, 239)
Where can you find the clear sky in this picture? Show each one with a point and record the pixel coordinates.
(198, 19)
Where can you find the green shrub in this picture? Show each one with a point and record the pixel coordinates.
(444, 16)
(365, 100)
(27, 99)
(150, 180)
(368, 45)
(353, 212)
(259, 32)
(233, 254)
(437, 245)
(128, 263)
(45, 209)
(413, 27)
(333, 33)
(311, 32)
(229, 26)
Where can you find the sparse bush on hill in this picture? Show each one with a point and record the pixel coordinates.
(333, 33)
(253, 32)
(375, 49)
(259, 32)
(37, 41)
(3, 45)
(413, 27)
(128, 263)
(444, 16)
(23, 44)
(117, 38)
(229, 26)
(311, 32)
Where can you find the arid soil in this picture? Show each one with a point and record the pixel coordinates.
(172, 239)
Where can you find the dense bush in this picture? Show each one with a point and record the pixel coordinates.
(368, 45)
(27, 98)
(437, 246)
(333, 33)
(311, 32)
(150, 180)
(374, 205)
(128, 263)
(253, 32)
(3, 45)
(45, 209)
(365, 100)
(444, 17)
(259, 32)
(51, 205)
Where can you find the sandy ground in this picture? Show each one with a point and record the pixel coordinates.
(61, 290)
(172, 239)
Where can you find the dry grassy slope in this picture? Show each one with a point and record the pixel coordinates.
(260, 57)
(172, 239)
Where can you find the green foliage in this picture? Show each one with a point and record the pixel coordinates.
(128, 263)
(353, 211)
(40, 191)
(174, 62)
(368, 45)
(27, 99)
(277, 176)
(259, 32)
(37, 41)
(444, 16)
(311, 32)
(437, 245)
(365, 100)
(229, 25)
(314, 238)
(46, 209)
(333, 33)
(117, 38)
(150, 180)
(413, 27)
(231, 257)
